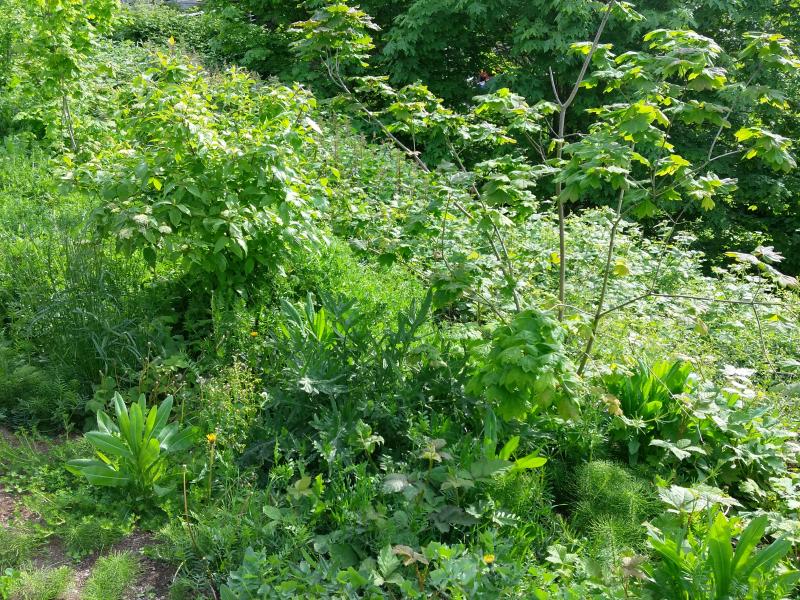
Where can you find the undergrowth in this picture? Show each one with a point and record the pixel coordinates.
(321, 352)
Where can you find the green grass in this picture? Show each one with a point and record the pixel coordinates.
(17, 545)
(41, 584)
(111, 577)
(91, 533)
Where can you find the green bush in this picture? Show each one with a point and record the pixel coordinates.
(226, 194)
(268, 267)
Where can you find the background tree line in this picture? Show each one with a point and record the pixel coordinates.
(445, 43)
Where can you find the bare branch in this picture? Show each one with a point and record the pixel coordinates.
(652, 294)
(555, 89)
(604, 288)
(587, 61)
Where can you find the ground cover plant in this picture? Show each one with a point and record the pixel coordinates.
(289, 308)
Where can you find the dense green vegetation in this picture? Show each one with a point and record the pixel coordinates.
(290, 308)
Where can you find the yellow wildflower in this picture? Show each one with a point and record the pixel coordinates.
(488, 559)
(253, 334)
(211, 437)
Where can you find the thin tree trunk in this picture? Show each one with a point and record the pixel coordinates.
(604, 288)
(66, 117)
(563, 107)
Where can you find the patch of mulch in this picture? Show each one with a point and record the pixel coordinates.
(8, 436)
(10, 508)
(153, 582)
(155, 577)
(54, 555)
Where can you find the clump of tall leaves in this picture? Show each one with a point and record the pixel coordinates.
(133, 451)
(648, 402)
(527, 368)
(720, 563)
(208, 171)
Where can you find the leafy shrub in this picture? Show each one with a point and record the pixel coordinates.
(255, 47)
(720, 432)
(224, 192)
(339, 361)
(45, 67)
(527, 368)
(133, 451)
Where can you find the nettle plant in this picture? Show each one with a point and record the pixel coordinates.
(628, 156)
(209, 171)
